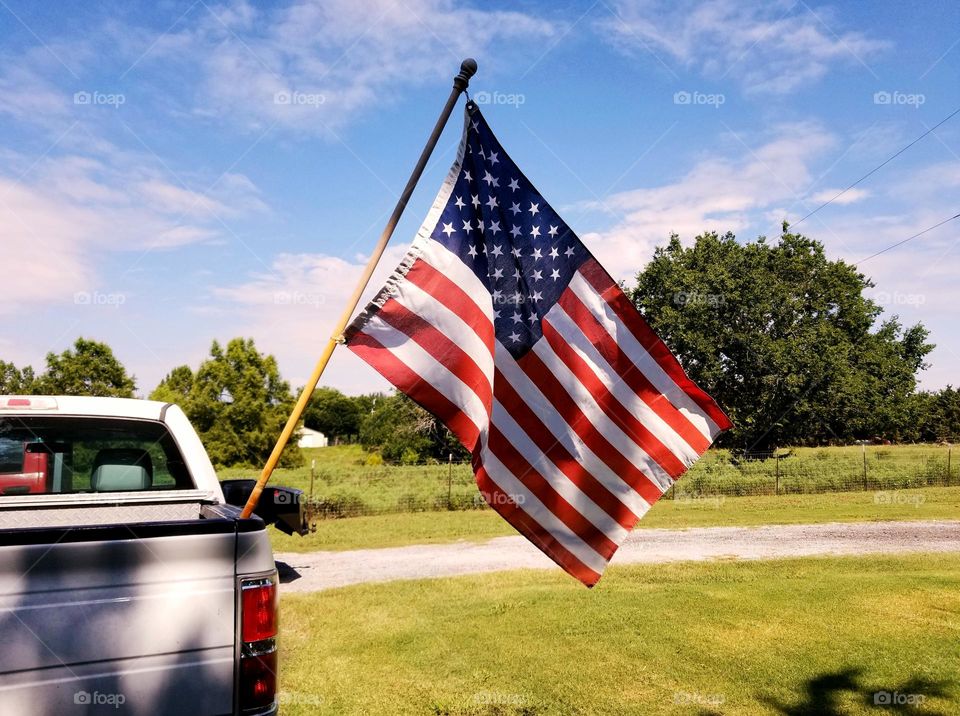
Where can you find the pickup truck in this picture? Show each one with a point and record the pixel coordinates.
(128, 583)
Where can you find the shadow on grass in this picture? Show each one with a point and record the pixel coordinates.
(823, 693)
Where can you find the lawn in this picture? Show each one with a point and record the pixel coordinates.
(391, 530)
(807, 636)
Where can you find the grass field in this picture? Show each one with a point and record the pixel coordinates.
(810, 636)
(391, 530)
(347, 486)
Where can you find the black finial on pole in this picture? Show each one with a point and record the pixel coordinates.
(468, 68)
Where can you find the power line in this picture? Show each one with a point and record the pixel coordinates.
(879, 166)
(909, 238)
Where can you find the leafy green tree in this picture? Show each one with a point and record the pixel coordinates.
(90, 368)
(333, 413)
(237, 402)
(16, 381)
(404, 432)
(783, 339)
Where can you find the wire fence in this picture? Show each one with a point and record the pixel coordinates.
(357, 489)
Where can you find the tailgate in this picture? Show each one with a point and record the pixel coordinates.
(135, 619)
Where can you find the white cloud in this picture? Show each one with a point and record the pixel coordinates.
(770, 47)
(849, 197)
(315, 65)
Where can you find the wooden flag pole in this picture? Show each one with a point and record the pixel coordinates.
(467, 69)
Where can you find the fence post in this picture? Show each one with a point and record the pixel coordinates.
(949, 451)
(777, 484)
(864, 446)
(313, 472)
(449, 480)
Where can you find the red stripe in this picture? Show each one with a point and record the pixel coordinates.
(409, 382)
(543, 378)
(441, 288)
(611, 407)
(595, 275)
(437, 344)
(629, 372)
(532, 530)
(535, 429)
(583, 528)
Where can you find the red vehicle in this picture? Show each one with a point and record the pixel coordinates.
(24, 468)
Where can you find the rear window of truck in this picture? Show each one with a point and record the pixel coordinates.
(63, 455)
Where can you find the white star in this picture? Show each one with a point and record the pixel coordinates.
(515, 231)
(517, 298)
(516, 273)
(493, 157)
(474, 125)
(515, 251)
(538, 275)
(515, 209)
(497, 273)
(472, 251)
(459, 203)
(466, 175)
(514, 184)
(497, 296)
(553, 230)
(496, 314)
(475, 200)
(555, 274)
(535, 231)
(467, 227)
(482, 153)
(554, 254)
(515, 337)
(480, 225)
(448, 229)
(569, 251)
(517, 317)
(534, 208)
(497, 251)
(492, 201)
(495, 228)
(537, 255)
(488, 178)
(532, 318)
(537, 296)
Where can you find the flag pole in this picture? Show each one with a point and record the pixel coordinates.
(467, 69)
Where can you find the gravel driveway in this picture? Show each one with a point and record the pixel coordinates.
(325, 570)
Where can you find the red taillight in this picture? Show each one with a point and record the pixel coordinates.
(259, 612)
(258, 648)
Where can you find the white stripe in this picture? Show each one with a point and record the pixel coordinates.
(429, 369)
(564, 434)
(625, 395)
(528, 502)
(448, 323)
(453, 267)
(638, 355)
(580, 501)
(623, 443)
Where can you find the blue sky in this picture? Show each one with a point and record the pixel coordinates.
(157, 191)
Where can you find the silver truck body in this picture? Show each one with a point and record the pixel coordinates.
(125, 601)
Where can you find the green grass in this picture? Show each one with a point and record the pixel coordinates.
(347, 486)
(806, 636)
(477, 525)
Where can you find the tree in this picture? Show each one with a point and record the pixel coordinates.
(783, 339)
(89, 369)
(16, 381)
(237, 402)
(404, 432)
(332, 413)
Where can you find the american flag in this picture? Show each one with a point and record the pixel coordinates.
(501, 323)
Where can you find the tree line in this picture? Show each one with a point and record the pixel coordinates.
(782, 337)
